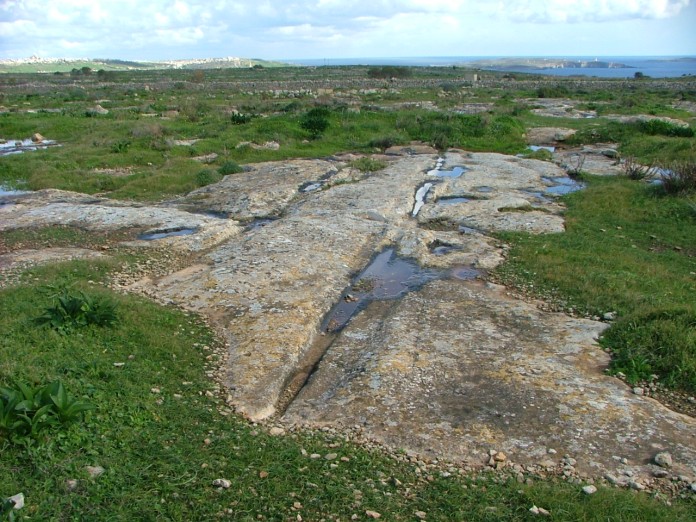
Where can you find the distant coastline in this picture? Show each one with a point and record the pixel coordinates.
(600, 66)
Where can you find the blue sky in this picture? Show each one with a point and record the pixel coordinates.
(181, 29)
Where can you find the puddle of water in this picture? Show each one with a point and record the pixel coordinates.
(562, 186)
(20, 146)
(442, 248)
(485, 190)
(310, 186)
(167, 233)
(454, 173)
(465, 273)
(535, 148)
(537, 195)
(420, 198)
(453, 200)
(387, 277)
(6, 191)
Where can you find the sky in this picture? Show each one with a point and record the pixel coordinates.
(326, 29)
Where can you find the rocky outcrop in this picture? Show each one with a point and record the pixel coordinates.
(451, 367)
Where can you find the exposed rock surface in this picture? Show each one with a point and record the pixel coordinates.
(452, 368)
(56, 207)
(548, 135)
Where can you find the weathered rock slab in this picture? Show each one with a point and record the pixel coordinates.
(459, 368)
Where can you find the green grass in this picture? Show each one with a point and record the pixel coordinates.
(162, 449)
(629, 249)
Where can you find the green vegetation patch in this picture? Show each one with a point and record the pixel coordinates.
(151, 435)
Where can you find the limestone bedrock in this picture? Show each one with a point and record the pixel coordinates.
(452, 370)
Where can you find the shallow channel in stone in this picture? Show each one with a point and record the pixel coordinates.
(388, 276)
(562, 186)
(161, 234)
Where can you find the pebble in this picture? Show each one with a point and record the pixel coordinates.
(663, 459)
(276, 431)
(71, 485)
(420, 515)
(589, 490)
(331, 456)
(95, 471)
(372, 514)
(222, 483)
(660, 473)
(18, 501)
(636, 485)
(611, 478)
(638, 390)
(539, 511)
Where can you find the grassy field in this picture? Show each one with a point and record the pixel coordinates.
(159, 428)
(162, 435)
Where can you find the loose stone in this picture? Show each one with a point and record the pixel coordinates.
(95, 471)
(663, 459)
(589, 490)
(17, 500)
(222, 483)
(373, 514)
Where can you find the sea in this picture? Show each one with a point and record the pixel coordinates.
(653, 66)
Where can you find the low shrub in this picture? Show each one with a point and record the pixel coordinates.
(26, 411)
(76, 310)
(316, 121)
(385, 142)
(661, 342)
(230, 167)
(368, 164)
(207, 176)
(679, 177)
(237, 118)
(634, 170)
(665, 128)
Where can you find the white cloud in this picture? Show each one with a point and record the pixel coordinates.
(574, 11)
(184, 28)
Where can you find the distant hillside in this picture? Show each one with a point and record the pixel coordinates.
(533, 64)
(53, 65)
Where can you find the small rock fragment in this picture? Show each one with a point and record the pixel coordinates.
(500, 457)
(636, 485)
(71, 485)
(420, 515)
(589, 490)
(276, 431)
(663, 459)
(222, 483)
(611, 478)
(17, 500)
(373, 514)
(638, 390)
(263, 474)
(539, 511)
(95, 471)
(331, 456)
